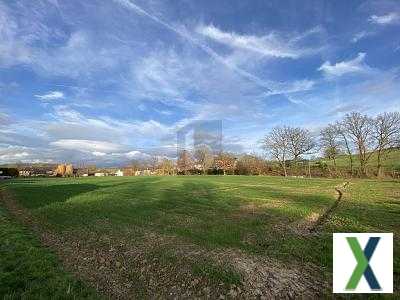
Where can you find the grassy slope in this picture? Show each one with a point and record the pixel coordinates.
(391, 161)
(29, 271)
(255, 214)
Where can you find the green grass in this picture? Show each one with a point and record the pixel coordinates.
(252, 214)
(391, 161)
(29, 271)
(216, 273)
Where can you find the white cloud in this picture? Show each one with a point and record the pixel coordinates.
(390, 18)
(356, 65)
(360, 35)
(13, 153)
(98, 153)
(52, 95)
(271, 44)
(87, 145)
(136, 155)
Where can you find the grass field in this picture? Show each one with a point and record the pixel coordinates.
(391, 160)
(194, 235)
(29, 271)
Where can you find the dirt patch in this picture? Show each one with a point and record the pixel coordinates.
(161, 266)
(313, 222)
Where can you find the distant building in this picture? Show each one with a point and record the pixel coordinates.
(99, 174)
(119, 173)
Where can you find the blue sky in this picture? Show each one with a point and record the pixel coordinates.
(106, 82)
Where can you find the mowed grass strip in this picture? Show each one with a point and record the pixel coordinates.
(254, 214)
(30, 271)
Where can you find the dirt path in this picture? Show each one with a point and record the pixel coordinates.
(161, 266)
(324, 217)
(312, 224)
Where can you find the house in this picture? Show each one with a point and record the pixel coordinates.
(99, 174)
(119, 173)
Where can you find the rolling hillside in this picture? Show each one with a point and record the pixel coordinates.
(391, 160)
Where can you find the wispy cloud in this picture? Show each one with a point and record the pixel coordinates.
(181, 31)
(4, 118)
(390, 18)
(292, 87)
(356, 65)
(361, 35)
(13, 153)
(92, 146)
(52, 95)
(13, 49)
(269, 45)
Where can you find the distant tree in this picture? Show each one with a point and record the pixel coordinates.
(69, 170)
(300, 141)
(167, 167)
(346, 143)
(137, 165)
(153, 163)
(360, 129)
(251, 165)
(330, 143)
(13, 172)
(225, 162)
(386, 131)
(276, 144)
(60, 171)
(204, 157)
(184, 162)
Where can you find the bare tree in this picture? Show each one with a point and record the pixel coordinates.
(204, 157)
(276, 143)
(346, 143)
(360, 128)
(330, 143)
(185, 162)
(300, 141)
(153, 163)
(386, 131)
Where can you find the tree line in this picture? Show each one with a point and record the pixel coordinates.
(355, 136)
(290, 151)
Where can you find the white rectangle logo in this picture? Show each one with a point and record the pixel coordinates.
(363, 262)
